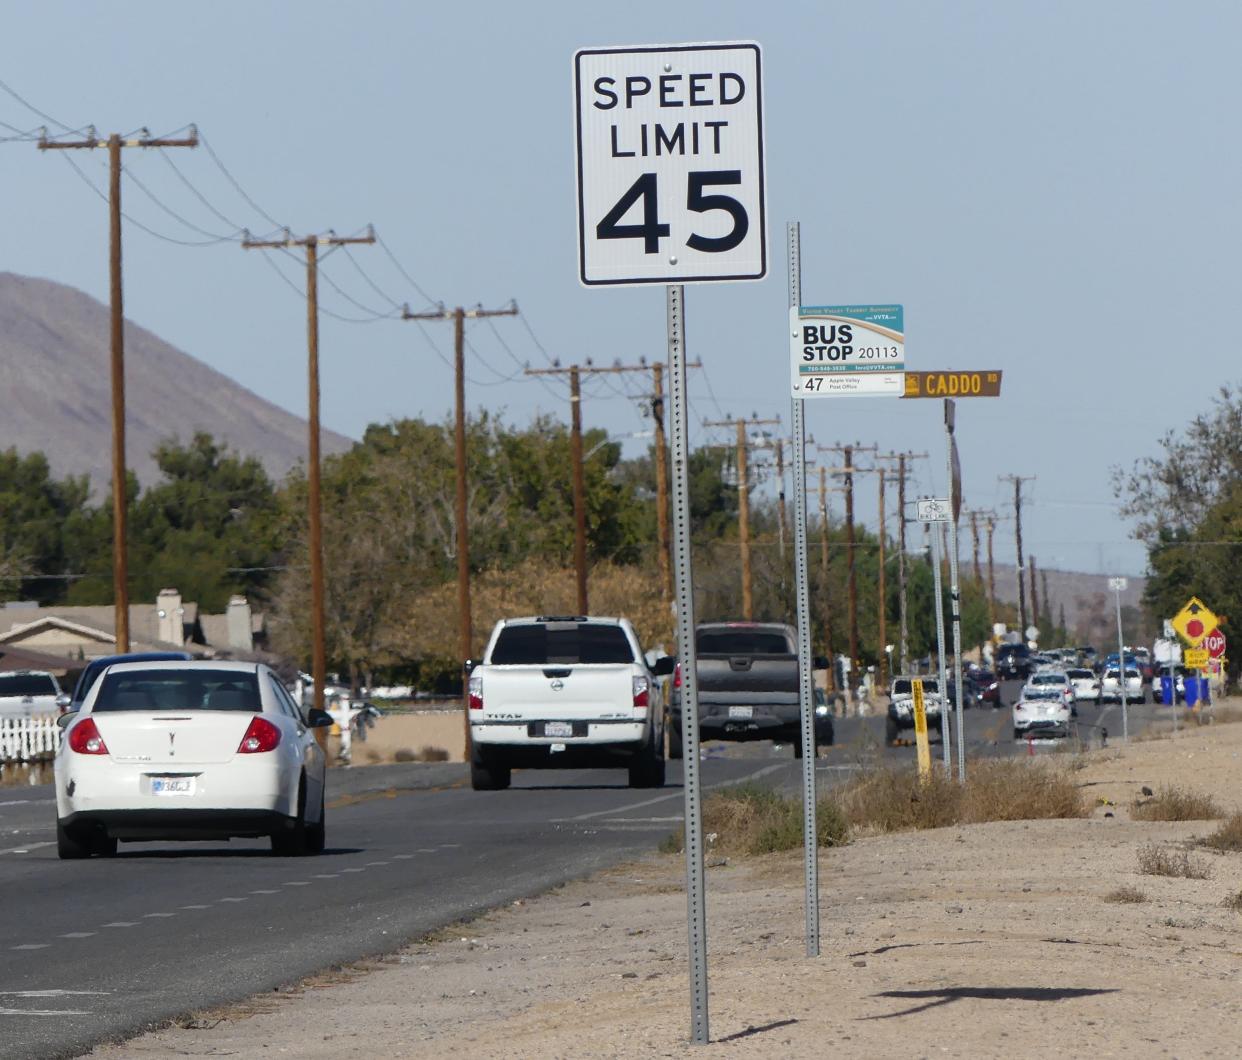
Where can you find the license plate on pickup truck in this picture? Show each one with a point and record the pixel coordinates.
(741, 712)
(558, 728)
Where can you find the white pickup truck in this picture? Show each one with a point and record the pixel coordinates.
(557, 692)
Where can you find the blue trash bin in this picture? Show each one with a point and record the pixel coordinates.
(1166, 690)
(1192, 691)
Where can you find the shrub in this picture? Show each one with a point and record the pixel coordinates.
(751, 819)
(1175, 804)
(1160, 861)
(404, 754)
(427, 753)
(1228, 837)
(1234, 902)
(1126, 895)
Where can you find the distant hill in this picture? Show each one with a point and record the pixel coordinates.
(54, 374)
(1087, 599)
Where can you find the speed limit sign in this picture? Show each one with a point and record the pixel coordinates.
(670, 164)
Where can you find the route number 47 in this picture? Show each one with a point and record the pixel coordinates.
(651, 230)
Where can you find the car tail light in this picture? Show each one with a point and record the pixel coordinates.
(476, 691)
(85, 739)
(1019, 706)
(677, 676)
(642, 692)
(261, 735)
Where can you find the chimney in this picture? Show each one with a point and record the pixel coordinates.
(168, 609)
(240, 636)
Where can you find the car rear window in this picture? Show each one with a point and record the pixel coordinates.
(179, 690)
(1048, 679)
(561, 642)
(1080, 675)
(27, 685)
(741, 642)
(901, 687)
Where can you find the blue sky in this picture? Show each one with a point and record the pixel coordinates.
(1048, 188)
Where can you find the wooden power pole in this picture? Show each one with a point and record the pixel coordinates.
(120, 508)
(1017, 481)
(465, 625)
(314, 507)
(743, 504)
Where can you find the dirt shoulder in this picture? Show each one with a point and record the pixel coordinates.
(982, 940)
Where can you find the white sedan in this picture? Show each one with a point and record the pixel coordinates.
(1041, 711)
(1110, 686)
(189, 751)
(1086, 685)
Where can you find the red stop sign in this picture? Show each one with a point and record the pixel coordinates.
(1215, 643)
(1194, 629)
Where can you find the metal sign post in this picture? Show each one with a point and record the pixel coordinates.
(683, 577)
(1118, 585)
(955, 598)
(935, 511)
(806, 695)
(670, 180)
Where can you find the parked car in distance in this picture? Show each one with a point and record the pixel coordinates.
(196, 750)
(986, 685)
(88, 677)
(24, 693)
(564, 692)
(1041, 710)
(1044, 680)
(1086, 685)
(1110, 688)
(901, 706)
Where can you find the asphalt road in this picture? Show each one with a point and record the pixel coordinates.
(99, 949)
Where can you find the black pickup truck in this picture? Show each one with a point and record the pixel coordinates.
(748, 687)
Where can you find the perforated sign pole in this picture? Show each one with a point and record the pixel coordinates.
(806, 696)
(941, 687)
(955, 597)
(696, 905)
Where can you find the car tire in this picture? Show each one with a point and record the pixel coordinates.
(890, 731)
(104, 846)
(290, 842)
(317, 833)
(68, 848)
(1018, 734)
(488, 775)
(674, 740)
(647, 767)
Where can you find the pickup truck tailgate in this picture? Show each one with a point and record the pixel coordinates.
(568, 692)
(748, 678)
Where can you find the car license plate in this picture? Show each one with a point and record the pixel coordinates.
(172, 785)
(558, 728)
(741, 712)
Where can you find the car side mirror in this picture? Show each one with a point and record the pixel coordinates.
(64, 720)
(63, 702)
(319, 719)
(664, 666)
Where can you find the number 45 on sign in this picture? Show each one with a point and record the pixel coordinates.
(670, 164)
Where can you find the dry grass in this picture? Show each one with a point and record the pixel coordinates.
(998, 790)
(1126, 895)
(1161, 861)
(1226, 714)
(1228, 837)
(1176, 804)
(751, 819)
(427, 753)
(405, 754)
(1234, 902)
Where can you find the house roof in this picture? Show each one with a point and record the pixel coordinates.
(90, 631)
(144, 622)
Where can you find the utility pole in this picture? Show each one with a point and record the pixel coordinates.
(575, 373)
(1017, 481)
(312, 243)
(851, 580)
(1034, 594)
(823, 490)
(120, 505)
(902, 474)
(991, 575)
(743, 503)
(465, 628)
(974, 539)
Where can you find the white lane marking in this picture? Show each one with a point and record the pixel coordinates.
(353, 870)
(265, 892)
(54, 993)
(297, 883)
(31, 946)
(643, 820)
(425, 850)
(377, 863)
(27, 802)
(232, 899)
(449, 846)
(42, 1012)
(28, 847)
(326, 876)
(157, 916)
(196, 907)
(664, 798)
(402, 857)
(79, 935)
(123, 923)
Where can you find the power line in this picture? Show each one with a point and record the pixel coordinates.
(215, 236)
(236, 186)
(401, 269)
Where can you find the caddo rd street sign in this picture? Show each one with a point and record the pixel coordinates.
(952, 384)
(670, 164)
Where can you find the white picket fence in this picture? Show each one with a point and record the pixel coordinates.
(28, 739)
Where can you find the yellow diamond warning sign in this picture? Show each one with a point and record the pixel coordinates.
(1194, 621)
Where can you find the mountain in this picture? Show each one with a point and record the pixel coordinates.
(54, 374)
(1089, 603)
